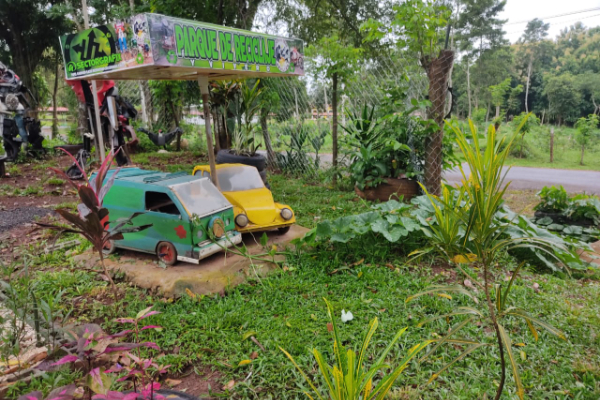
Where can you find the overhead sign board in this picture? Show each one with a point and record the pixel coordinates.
(154, 46)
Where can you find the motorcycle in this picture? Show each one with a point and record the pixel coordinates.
(115, 116)
(16, 128)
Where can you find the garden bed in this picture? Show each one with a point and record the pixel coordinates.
(208, 339)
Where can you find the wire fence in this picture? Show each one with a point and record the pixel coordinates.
(298, 126)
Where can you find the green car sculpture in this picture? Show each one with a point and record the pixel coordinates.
(190, 218)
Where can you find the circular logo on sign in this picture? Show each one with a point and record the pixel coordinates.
(282, 55)
(94, 47)
(172, 57)
(139, 58)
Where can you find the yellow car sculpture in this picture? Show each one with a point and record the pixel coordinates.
(253, 204)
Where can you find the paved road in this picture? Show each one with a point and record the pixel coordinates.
(536, 178)
(522, 178)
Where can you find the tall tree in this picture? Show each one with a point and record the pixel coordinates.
(478, 34)
(535, 32)
(563, 97)
(338, 62)
(233, 13)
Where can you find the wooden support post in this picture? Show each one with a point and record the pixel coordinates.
(552, 144)
(99, 135)
(203, 82)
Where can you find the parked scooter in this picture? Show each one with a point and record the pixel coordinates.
(17, 129)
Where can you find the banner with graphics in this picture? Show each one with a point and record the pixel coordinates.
(162, 41)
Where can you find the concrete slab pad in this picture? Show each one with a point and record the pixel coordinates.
(213, 275)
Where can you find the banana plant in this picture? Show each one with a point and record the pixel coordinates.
(349, 378)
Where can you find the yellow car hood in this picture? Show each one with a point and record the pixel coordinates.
(258, 205)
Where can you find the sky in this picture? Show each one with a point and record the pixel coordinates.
(518, 12)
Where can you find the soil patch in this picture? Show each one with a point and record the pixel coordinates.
(521, 201)
(199, 381)
(31, 184)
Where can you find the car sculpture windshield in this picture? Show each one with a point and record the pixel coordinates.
(200, 197)
(236, 179)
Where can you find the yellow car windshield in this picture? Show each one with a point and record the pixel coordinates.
(236, 179)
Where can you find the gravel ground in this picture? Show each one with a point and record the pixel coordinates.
(18, 216)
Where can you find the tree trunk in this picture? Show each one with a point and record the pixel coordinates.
(145, 117)
(487, 114)
(147, 109)
(497, 111)
(334, 127)
(176, 118)
(543, 115)
(582, 152)
(552, 145)
(528, 80)
(54, 105)
(469, 86)
(267, 138)
(327, 108)
(438, 74)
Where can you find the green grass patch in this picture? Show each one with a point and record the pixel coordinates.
(368, 277)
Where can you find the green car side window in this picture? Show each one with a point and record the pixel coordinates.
(161, 202)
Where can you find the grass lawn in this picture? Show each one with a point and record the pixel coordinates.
(567, 153)
(368, 277)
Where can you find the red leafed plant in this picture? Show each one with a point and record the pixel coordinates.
(91, 344)
(92, 219)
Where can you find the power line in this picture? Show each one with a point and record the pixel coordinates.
(557, 15)
(564, 23)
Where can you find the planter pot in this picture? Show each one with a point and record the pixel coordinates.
(227, 157)
(558, 218)
(391, 187)
(72, 149)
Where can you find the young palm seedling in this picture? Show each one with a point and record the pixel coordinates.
(349, 378)
(484, 241)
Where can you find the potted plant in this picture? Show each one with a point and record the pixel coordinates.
(387, 153)
(244, 144)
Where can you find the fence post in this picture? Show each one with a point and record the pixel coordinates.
(552, 144)
(334, 127)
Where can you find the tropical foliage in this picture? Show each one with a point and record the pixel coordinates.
(349, 378)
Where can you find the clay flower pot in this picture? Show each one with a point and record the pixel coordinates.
(392, 186)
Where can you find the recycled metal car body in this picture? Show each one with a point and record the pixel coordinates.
(184, 211)
(253, 204)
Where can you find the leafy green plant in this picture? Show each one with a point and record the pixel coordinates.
(295, 140)
(553, 199)
(349, 378)
(92, 219)
(577, 216)
(483, 244)
(387, 147)
(527, 122)
(250, 104)
(586, 132)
